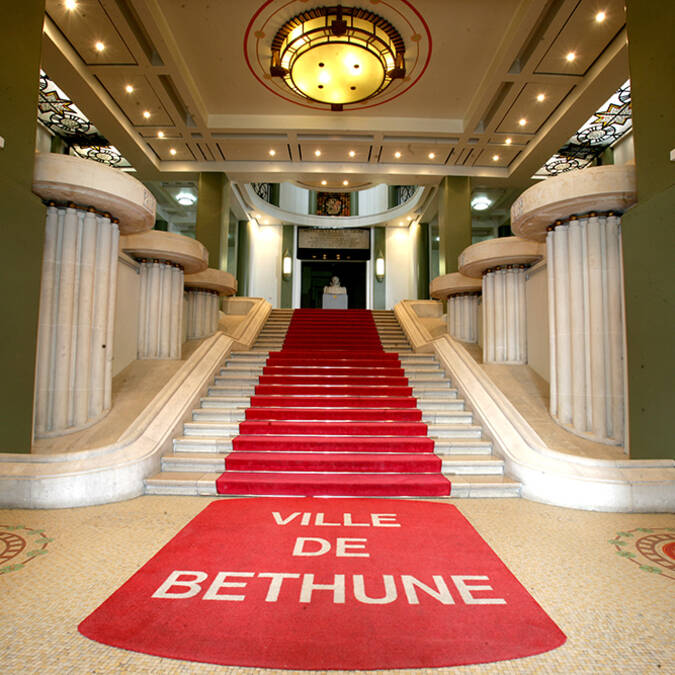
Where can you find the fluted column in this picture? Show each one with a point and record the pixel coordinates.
(77, 304)
(587, 326)
(160, 310)
(504, 315)
(203, 307)
(462, 316)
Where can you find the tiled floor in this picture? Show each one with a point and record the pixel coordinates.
(618, 617)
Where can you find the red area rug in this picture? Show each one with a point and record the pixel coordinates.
(326, 584)
(333, 415)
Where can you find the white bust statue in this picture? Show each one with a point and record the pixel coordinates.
(334, 288)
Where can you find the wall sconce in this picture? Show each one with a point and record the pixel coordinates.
(286, 265)
(379, 267)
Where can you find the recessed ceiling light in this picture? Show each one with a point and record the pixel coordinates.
(146, 114)
(401, 223)
(70, 4)
(410, 217)
(317, 153)
(160, 134)
(600, 17)
(432, 155)
(186, 198)
(570, 56)
(323, 182)
(352, 153)
(273, 152)
(397, 154)
(522, 121)
(129, 89)
(481, 203)
(508, 141)
(345, 182)
(541, 97)
(172, 151)
(495, 158)
(99, 46)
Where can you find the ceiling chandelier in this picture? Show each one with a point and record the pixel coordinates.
(337, 55)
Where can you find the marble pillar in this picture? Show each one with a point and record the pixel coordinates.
(462, 316)
(160, 310)
(504, 315)
(203, 307)
(587, 325)
(77, 307)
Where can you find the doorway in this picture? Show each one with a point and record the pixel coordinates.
(317, 273)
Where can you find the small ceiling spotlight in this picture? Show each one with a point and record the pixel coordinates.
(508, 141)
(541, 97)
(481, 203)
(99, 46)
(317, 153)
(272, 152)
(186, 198)
(432, 155)
(324, 182)
(129, 89)
(397, 154)
(345, 182)
(410, 218)
(70, 5)
(522, 121)
(146, 114)
(495, 158)
(172, 152)
(600, 17)
(570, 57)
(352, 153)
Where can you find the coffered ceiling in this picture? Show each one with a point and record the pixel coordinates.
(172, 89)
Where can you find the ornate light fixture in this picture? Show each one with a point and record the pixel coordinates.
(337, 55)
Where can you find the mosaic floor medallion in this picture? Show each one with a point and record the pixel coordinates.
(19, 545)
(652, 548)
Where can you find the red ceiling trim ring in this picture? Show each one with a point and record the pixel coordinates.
(325, 109)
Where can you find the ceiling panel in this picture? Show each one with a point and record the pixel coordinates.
(140, 100)
(244, 150)
(163, 150)
(583, 36)
(504, 155)
(535, 112)
(416, 153)
(332, 151)
(86, 25)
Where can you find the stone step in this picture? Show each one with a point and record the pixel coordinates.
(451, 464)
(207, 414)
(242, 402)
(198, 483)
(448, 417)
(458, 430)
(230, 391)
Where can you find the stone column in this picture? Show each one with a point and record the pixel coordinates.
(77, 305)
(462, 316)
(203, 302)
(587, 325)
(585, 294)
(202, 312)
(161, 310)
(505, 316)
(165, 260)
(73, 381)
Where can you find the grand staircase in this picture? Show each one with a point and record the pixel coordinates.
(266, 425)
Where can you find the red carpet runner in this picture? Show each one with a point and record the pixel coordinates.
(334, 415)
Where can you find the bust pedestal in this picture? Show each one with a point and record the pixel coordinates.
(334, 301)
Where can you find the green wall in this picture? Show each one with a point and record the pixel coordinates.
(648, 232)
(22, 218)
(213, 217)
(379, 287)
(454, 221)
(243, 255)
(422, 263)
(287, 284)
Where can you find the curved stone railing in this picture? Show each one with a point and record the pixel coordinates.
(547, 475)
(117, 471)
